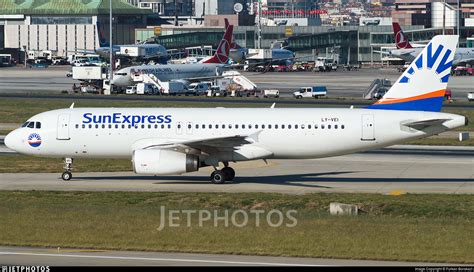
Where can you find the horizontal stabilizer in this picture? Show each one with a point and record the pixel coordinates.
(420, 125)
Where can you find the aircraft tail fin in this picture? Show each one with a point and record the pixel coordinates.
(222, 52)
(103, 42)
(422, 86)
(401, 39)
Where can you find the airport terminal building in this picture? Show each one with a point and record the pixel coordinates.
(67, 26)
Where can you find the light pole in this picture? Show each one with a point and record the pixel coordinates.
(111, 53)
(457, 18)
(444, 16)
(259, 25)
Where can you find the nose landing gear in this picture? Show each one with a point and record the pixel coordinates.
(67, 174)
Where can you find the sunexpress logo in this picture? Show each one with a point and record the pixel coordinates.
(119, 118)
(431, 59)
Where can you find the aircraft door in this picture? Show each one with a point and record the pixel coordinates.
(368, 127)
(63, 127)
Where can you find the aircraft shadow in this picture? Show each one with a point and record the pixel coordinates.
(301, 180)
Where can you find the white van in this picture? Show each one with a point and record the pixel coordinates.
(198, 88)
(131, 90)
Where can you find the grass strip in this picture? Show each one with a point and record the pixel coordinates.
(431, 228)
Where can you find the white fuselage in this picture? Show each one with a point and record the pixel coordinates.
(273, 133)
(462, 55)
(167, 72)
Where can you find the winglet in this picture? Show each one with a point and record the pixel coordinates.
(72, 106)
(273, 106)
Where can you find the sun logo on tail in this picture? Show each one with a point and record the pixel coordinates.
(431, 59)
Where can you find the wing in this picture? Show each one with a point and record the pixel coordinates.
(197, 146)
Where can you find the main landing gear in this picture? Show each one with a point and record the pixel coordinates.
(221, 176)
(67, 174)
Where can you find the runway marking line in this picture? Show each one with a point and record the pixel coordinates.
(152, 259)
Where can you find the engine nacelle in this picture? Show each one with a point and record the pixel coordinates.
(163, 162)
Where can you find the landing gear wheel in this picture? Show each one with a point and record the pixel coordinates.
(229, 173)
(218, 177)
(66, 176)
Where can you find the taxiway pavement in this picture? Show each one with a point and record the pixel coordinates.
(396, 170)
(85, 257)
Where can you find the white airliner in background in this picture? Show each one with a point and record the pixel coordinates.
(162, 141)
(409, 52)
(185, 73)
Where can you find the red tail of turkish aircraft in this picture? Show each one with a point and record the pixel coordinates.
(400, 38)
(222, 53)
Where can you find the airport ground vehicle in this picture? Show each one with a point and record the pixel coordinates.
(310, 92)
(88, 89)
(270, 93)
(5, 60)
(216, 90)
(131, 90)
(173, 88)
(379, 93)
(324, 65)
(146, 88)
(58, 61)
(198, 88)
(379, 87)
(470, 96)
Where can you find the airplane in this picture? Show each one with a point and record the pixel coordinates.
(168, 141)
(239, 54)
(208, 68)
(155, 52)
(409, 52)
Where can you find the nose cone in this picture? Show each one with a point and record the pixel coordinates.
(9, 141)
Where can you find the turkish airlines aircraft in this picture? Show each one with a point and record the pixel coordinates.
(185, 73)
(409, 52)
(162, 141)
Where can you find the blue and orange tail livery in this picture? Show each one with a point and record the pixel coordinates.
(422, 86)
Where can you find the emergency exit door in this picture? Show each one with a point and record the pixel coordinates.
(63, 127)
(368, 127)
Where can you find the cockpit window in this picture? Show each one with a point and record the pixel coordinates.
(120, 74)
(38, 124)
(31, 125)
(25, 124)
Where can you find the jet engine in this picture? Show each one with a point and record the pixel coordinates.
(163, 162)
